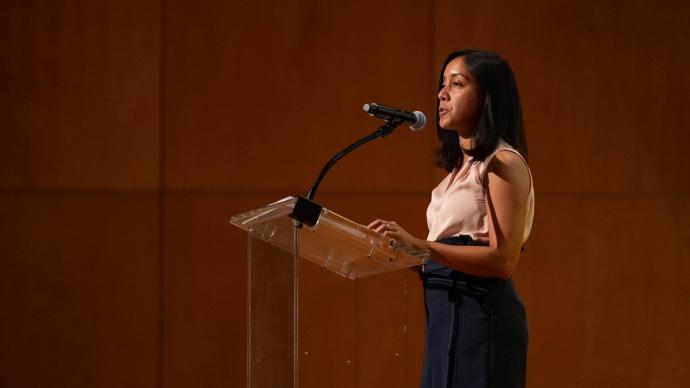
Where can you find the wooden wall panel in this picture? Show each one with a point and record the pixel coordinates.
(205, 291)
(261, 95)
(79, 95)
(329, 336)
(381, 334)
(79, 291)
(603, 283)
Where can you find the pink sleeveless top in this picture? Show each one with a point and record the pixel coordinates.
(458, 203)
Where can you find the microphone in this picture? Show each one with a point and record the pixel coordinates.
(415, 120)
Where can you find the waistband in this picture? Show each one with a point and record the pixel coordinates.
(435, 275)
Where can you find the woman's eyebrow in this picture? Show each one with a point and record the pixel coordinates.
(455, 74)
(459, 74)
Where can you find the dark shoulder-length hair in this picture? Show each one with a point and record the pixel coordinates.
(501, 116)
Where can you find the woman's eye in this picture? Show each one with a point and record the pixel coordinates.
(457, 84)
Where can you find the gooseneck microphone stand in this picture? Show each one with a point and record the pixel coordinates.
(382, 131)
(306, 211)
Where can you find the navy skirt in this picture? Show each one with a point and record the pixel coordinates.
(476, 329)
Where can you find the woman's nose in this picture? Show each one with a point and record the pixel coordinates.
(442, 95)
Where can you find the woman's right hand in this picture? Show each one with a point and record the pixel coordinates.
(378, 225)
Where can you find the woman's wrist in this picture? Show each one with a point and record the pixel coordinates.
(423, 246)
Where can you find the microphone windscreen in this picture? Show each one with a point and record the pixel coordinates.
(421, 120)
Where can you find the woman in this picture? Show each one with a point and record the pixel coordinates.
(479, 217)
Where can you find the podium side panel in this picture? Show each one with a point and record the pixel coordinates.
(328, 328)
(270, 348)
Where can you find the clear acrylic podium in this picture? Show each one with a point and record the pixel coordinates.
(275, 246)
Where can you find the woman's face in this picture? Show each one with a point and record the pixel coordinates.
(459, 105)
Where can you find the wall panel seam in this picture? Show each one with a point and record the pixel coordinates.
(160, 360)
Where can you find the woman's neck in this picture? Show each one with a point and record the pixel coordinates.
(466, 144)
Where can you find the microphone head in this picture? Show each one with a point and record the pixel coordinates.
(370, 108)
(421, 120)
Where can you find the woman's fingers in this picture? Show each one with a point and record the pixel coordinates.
(376, 223)
(379, 225)
(392, 230)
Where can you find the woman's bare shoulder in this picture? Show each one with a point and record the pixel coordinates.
(511, 167)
